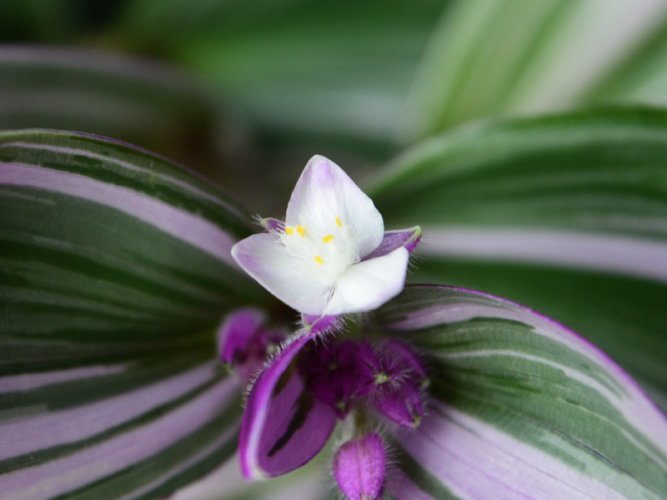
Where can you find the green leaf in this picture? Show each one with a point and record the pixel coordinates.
(521, 406)
(501, 57)
(566, 214)
(100, 240)
(131, 99)
(641, 77)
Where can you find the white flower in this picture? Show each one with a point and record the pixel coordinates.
(331, 256)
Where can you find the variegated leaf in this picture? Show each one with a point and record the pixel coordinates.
(567, 214)
(114, 272)
(521, 406)
(100, 239)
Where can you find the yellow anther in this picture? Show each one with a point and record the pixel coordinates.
(319, 260)
(289, 230)
(339, 222)
(328, 238)
(301, 230)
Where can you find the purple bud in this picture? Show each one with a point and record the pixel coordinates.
(332, 373)
(393, 376)
(359, 468)
(243, 342)
(403, 406)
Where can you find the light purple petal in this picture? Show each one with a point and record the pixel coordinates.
(282, 427)
(325, 192)
(359, 468)
(406, 238)
(369, 284)
(265, 258)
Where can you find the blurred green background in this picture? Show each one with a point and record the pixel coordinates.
(249, 89)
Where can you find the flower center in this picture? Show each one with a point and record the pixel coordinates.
(326, 248)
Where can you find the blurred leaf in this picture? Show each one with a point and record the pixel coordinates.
(522, 407)
(74, 89)
(38, 20)
(100, 240)
(566, 214)
(502, 57)
(641, 77)
(336, 68)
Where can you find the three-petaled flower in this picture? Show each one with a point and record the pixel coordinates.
(330, 257)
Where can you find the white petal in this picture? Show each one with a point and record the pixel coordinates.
(369, 284)
(325, 193)
(264, 258)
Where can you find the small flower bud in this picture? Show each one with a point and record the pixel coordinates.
(359, 468)
(243, 341)
(394, 377)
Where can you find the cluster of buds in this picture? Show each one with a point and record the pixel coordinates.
(377, 383)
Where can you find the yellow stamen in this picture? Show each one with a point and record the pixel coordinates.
(328, 238)
(339, 222)
(301, 230)
(289, 230)
(319, 260)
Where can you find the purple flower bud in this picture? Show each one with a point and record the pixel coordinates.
(331, 372)
(359, 468)
(243, 341)
(403, 406)
(393, 376)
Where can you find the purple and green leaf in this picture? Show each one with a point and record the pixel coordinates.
(566, 214)
(520, 406)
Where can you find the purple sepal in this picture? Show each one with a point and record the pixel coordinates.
(359, 468)
(243, 342)
(272, 225)
(283, 427)
(402, 406)
(407, 238)
(317, 325)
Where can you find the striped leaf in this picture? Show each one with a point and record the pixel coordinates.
(93, 91)
(134, 427)
(505, 57)
(114, 271)
(521, 406)
(102, 241)
(567, 214)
